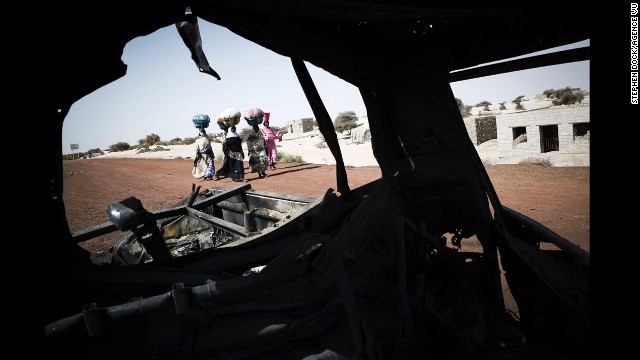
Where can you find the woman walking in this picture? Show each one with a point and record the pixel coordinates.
(270, 138)
(255, 143)
(236, 155)
(203, 161)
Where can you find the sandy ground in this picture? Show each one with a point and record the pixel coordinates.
(354, 154)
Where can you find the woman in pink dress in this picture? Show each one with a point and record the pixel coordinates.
(270, 138)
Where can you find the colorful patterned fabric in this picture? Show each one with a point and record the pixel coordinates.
(203, 160)
(257, 153)
(228, 117)
(254, 113)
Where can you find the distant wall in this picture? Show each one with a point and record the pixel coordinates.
(486, 129)
(299, 126)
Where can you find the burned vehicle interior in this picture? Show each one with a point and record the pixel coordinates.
(375, 272)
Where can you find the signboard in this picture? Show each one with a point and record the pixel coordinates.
(75, 146)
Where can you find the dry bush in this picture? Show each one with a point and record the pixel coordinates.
(537, 161)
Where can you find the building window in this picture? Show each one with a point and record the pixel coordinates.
(581, 131)
(519, 135)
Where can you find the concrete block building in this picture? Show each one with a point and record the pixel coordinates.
(481, 128)
(538, 129)
(559, 128)
(299, 126)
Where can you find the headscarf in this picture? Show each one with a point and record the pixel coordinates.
(232, 134)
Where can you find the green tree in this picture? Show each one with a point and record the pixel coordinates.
(345, 121)
(149, 140)
(484, 104)
(465, 110)
(94, 151)
(188, 140)
(518, 102)
(566, 96)
(120, 146)
(548, 93)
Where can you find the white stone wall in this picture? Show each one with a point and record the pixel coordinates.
(562, 116)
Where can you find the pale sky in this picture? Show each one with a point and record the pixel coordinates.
(163, 89)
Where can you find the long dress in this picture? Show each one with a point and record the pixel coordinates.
(257, 153)
(203, 160)
(270, 138)
(224, 168)
(236, 157)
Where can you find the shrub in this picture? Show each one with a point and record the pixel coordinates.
(244, 133)
(149, 140)
(465, 110)
(286, 158)
(537, 161)
(484, 104)
(567, 96)
(121, 146)
(518, 101)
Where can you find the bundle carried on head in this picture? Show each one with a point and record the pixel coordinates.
(254, 116)
(201, 121)
(228, 117)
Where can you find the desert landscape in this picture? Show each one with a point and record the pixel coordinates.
(557, 196)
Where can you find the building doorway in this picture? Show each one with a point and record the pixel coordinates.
(549, 140)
